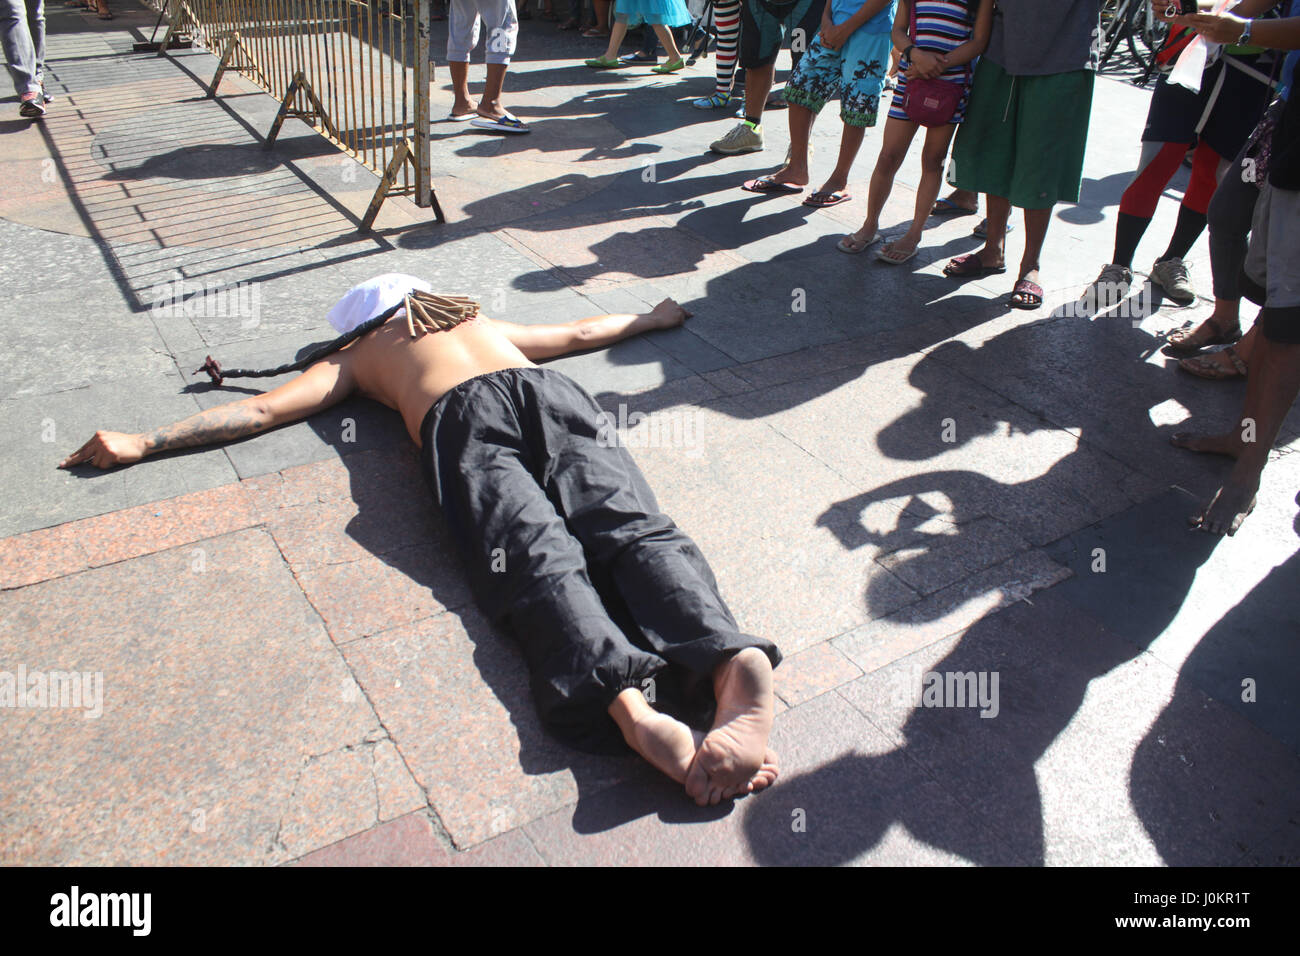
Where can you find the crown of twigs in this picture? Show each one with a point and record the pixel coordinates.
(435, 313)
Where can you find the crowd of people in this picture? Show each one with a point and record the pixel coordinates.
(1007, 85)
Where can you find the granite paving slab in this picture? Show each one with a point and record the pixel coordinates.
(206, 739)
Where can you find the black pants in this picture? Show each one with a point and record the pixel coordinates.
(565, 546)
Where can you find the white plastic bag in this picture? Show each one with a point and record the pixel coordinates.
(1195, 57)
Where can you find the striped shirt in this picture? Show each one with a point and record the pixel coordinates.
(941, 27)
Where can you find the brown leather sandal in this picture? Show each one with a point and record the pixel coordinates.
(1205, 366)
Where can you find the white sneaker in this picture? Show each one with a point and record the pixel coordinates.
(1172, 276)
(743, 138)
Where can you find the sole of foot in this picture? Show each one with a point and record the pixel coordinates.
(666, 743)
(735, 752)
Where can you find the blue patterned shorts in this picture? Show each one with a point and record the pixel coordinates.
(855, 73)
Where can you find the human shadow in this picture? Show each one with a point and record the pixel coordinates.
(964, 784)
(1247, 662)
(1129, 575)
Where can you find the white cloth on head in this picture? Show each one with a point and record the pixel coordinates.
(368, 299)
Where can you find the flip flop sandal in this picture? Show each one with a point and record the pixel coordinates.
(946, 207)
(1203, 367)
(970, 267)
(1219, 338)
(821, 200)
(850, 245)
(504, 124)
(766, 184)
(461, 117)
(672, 67)
(883, 256)
(982, 228)
(1031, 294)
(593, 33)
(600, 63)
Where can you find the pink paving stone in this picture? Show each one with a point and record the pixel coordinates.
(413, 840)
(40, 555)
(344, 792)
(381, 471)
(812, 672)
(340, 529)
(375, 593)
(164, 524)
(454, 695)
(218, 688)
(784, 576)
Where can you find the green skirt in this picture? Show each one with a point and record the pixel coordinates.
(1024, 136)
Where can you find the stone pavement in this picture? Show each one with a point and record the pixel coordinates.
(891, 474)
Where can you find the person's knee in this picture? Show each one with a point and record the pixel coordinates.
(932, 161)
(890, 159)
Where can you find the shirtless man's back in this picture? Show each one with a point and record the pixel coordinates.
(594, 506)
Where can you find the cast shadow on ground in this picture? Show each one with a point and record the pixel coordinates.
(1046, 651)
(1255, 642)
(217, 160)
(966, 785)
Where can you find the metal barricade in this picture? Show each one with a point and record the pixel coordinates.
(357, 71)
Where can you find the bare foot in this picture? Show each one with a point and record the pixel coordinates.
(1027, 299)
(766, 776)
(901, 249)
(833, 186)
(958, 199)
(1228, 508)
(734, 751)
(668, 744)
(791, 173)
(856, 242)
(1229, 444)
(668, 314)
(461, 107)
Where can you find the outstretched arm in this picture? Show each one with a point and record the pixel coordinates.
(324, 384)
(549, 341)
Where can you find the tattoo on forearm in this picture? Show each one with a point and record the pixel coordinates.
(219, 424)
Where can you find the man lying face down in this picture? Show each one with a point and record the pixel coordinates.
(562, 539)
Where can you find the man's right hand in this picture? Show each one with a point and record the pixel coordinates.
(107, 449)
